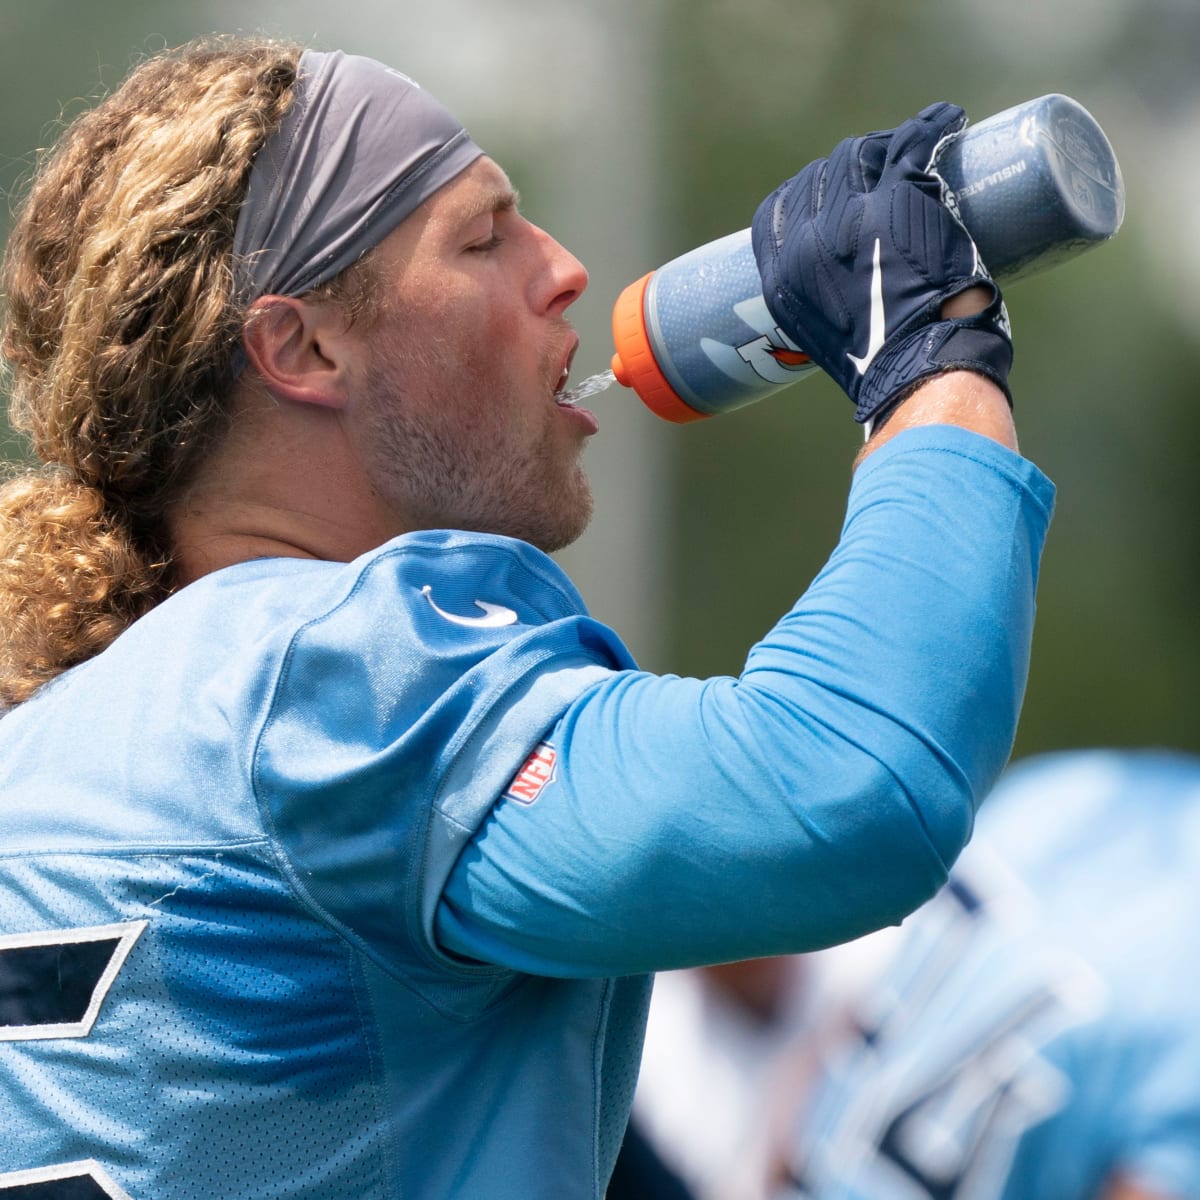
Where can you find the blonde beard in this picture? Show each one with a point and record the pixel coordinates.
(436, 478)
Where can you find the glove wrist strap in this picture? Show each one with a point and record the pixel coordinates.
(942, 346)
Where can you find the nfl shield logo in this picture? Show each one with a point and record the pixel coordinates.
(538, 771)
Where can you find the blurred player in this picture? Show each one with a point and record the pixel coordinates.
(340, 841)
(714, 1041)
(1036, 1035)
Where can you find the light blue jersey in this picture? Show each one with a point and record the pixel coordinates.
(1038, 1032)
(345, 880)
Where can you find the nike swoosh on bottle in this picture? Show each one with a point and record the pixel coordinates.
(495, 616)
(877, 333)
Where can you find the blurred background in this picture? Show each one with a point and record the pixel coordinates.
(637, 129)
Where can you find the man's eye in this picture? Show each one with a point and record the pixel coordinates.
(490, 244)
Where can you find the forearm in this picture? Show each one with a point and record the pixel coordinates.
(960, 398)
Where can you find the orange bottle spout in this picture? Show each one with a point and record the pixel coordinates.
(634, 365)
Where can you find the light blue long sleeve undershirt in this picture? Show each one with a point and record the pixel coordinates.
(824, 792)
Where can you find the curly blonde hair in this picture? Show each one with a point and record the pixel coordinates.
(120, 323)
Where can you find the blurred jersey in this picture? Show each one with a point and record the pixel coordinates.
(1038, 1028)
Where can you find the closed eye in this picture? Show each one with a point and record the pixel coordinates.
(490, 244)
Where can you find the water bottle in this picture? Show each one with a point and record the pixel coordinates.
(1036, 185)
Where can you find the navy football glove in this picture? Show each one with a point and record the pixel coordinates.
(857, 254)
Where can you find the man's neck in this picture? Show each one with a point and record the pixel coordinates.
(284, 482)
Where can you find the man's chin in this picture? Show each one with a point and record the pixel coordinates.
(558, 529)
(563, 537)
(548, 534)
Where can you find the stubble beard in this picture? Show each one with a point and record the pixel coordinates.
(435, 477)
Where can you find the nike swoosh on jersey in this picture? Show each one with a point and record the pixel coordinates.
(495, 616)
(877, 333)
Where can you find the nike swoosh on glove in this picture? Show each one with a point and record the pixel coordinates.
(859, 251)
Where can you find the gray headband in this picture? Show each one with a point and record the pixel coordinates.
(360, 148)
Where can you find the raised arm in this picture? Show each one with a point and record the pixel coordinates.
(827, 789)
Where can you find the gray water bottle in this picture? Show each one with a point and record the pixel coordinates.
(1036, 185)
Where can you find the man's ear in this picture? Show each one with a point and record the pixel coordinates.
(299, 349)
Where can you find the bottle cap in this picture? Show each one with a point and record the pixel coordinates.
(634, 365)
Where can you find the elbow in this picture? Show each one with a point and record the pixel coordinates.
(881, 834)
(926, 805)
(933, 795)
